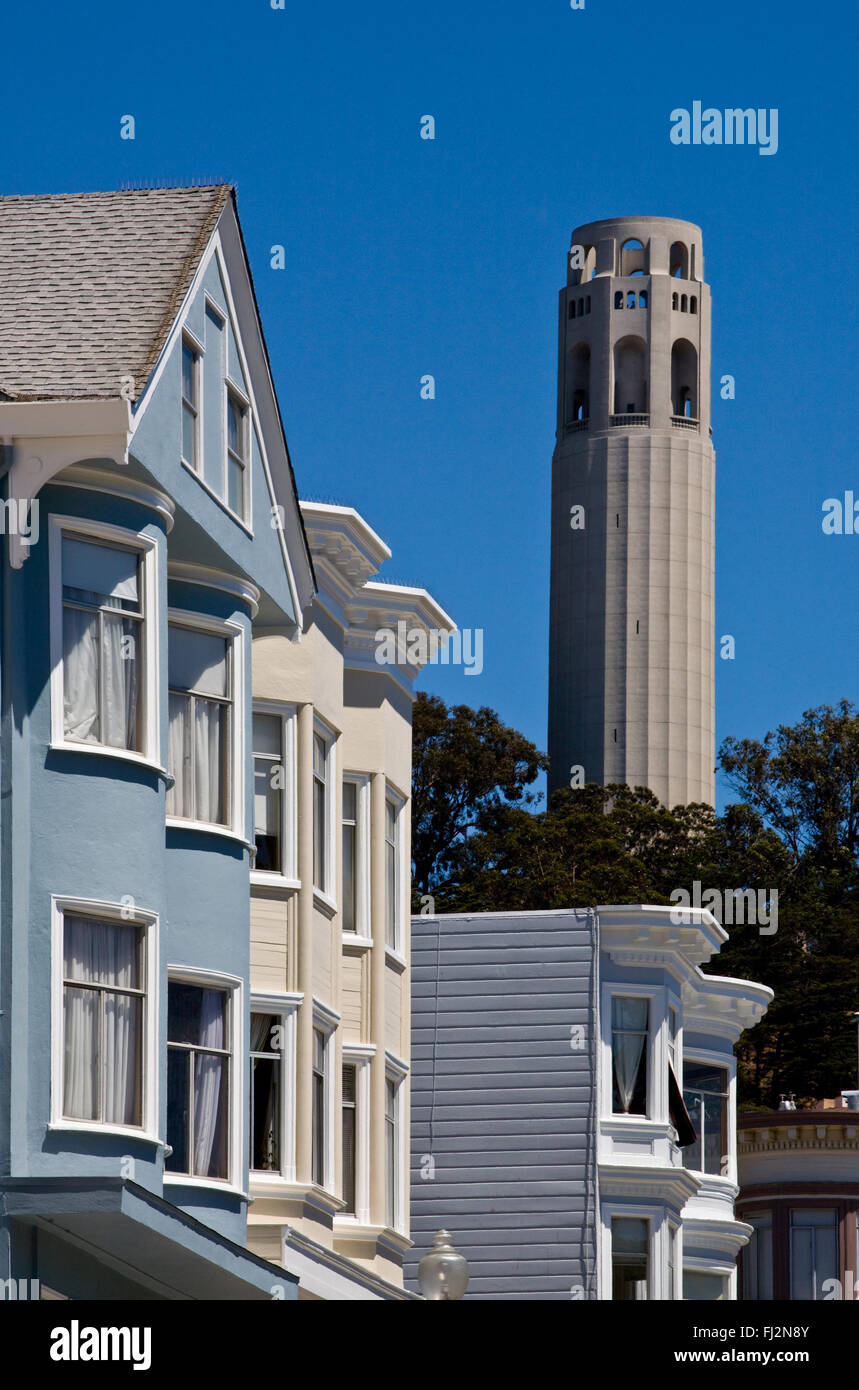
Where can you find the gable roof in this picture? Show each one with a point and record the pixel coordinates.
(90, 285)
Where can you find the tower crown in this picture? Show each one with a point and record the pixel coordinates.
(634, 328)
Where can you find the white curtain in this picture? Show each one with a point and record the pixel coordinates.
(208, 760)
(629, 1035)
(105, 954)
(81, 675)
(179, 757)
(210, 1082)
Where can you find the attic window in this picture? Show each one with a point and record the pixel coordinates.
(190, 405)
(237, 453)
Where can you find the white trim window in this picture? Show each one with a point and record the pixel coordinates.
(323, 810)
(104, 655)
(205, 720)
(630, 1047)
(271, 1091)
(395, 1074)
(322, 1104)
(706, 1095)
(191, 374)
(265, 1093)
(104, 1061)
(203, 1082)
(275, 834)
(349, 1129)
(355, 1133)
(631, 1258)
(394, 878)
(355, 819)
(238, 450)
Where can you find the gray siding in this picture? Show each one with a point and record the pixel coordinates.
(503, 1107)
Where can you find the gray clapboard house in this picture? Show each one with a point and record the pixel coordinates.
(549, 1053)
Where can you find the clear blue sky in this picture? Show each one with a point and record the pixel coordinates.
(406, 257)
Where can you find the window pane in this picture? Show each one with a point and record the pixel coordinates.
(210, 1115)
(318, 1101)
(349, 1135)
(120, 677)
(349, 884)
(123, 1056)
(390, 1152)
(210, 761)
(265, 1114)
(319, 753)
(267, 805)
(80, 676)
(629, 1055)
(235, 415)
(629, 1252)
(267, 734)
(195, 1015)
(235, 487)
(189, 374)
(178, 1109)
(104, 571)
(319, 811)
(189, 436)
(264, 1029)
(82, 1062)
(105, 953)
(350, 800)
(197, 661)
(180, 797)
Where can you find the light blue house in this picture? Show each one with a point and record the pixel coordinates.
(151, 525)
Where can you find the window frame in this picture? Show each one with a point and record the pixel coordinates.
(287, 877)
(324, 893)
(190, 341)
(658, 997)
(120, 914)
(285, 1007)
(395, 950)
(363, 921)
(234, 633)
(233, 986)
(728, 1062)
(95, 533)
(359, 1056)
(396, 1072)
(664, 1226)
(241, 404)
(325, 1022)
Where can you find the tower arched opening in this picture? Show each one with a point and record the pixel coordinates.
(684, 380)
(630, 376)
(578, 390)
(678, 260)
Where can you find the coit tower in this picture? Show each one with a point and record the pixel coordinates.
(633, 491)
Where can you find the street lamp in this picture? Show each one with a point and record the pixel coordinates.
(443, 1272)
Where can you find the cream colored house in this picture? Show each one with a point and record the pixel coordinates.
(330, 983)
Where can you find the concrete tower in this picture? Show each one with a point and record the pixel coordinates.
(631, 626)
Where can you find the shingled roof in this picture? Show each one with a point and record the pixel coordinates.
(90, 285)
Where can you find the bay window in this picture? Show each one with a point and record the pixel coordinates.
(199, 1079)
(201, 699)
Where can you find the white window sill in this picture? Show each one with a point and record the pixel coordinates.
(395, 959)
(216, 498)
(101, 750)
(359, 943)
(264, 879)
(324, 903)
(212, 1184)
(94, 1127)
(208, 828)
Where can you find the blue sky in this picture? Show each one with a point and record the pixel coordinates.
(406, 257)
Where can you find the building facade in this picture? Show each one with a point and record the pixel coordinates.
(204, 828)
(799, 1192)
(330, 910)
(557, 1060)
(631, 689)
